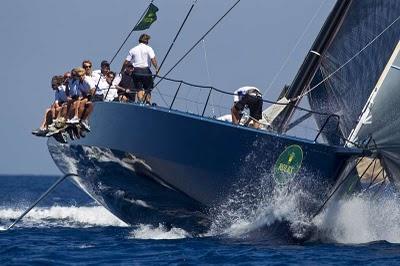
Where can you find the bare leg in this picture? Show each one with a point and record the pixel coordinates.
(70, 109)
(63, 111)
(235, 115)
(89, 109)
(148, 97)
(81, 110)
(53, 111)
(76, 108)
(123, 98)
(140, 96)
(47, 119)
(255, 124)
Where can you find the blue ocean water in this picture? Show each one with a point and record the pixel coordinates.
(70, 228)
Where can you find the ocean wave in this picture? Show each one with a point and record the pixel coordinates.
(65, 216)
(360, 219)
(159, 232)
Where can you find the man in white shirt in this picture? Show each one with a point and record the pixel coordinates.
(142, 56)
(112, 93)
(100, 79)
(89, 76)
(251, 97)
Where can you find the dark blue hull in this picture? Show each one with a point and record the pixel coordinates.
(144, 163)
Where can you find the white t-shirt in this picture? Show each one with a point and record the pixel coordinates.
(102, 87)
(141, 55)
(60, 95)
(239, 93)
(117, 79)
(91, 81)
(111, 95)
(113, 92)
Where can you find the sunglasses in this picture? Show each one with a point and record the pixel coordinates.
(87, 66)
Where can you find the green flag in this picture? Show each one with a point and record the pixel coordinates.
(148, 19)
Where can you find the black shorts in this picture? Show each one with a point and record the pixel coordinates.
(142, 79)
(75, 97)
(97, 98)
(254, 103)
(130, 96)
(88, 97)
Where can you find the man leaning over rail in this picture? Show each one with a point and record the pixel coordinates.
(251, 97)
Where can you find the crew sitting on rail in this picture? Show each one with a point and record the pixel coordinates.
(60, 105)
(101, 81)
(52, 112)
(252, 97)
(79, 92)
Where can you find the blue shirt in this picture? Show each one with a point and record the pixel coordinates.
(60, 94)
(78, 88)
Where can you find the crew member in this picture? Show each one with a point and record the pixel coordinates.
(141, 56)
(125, 87)
(50, 113)
(252, 97)
(100, 78)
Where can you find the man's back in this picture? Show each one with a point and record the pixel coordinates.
(140, 55)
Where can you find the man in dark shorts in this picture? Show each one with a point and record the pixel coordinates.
(125, 86)
(250, 97)
(142, 56)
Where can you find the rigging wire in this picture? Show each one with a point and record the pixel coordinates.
(171, 45)
(130, 33)
(231, 93)
(385, 176)
(208, 73)
(295, 47)
(347, 62)
(177, 34)
(123, 43)
(202, 37)
(319, 210)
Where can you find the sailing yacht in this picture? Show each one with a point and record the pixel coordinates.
(172, 166)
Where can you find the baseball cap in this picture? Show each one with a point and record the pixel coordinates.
(104, 63)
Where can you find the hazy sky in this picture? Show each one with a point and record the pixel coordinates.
(48, 37)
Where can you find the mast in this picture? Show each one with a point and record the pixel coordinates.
(312, 61)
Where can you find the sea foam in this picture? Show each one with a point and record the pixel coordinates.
(70, 216)
(360, 220)
(159, 232)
